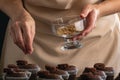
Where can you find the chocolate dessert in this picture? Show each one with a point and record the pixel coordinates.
(54, 70)
(72, 70)
(50, 68)
(33, 68)
(99, 66)
(8, 70)
(72, 77)
(12, 66)
(89, 76)
(101, 73)
(88, 69)
(21, 62)
(42, 74)
(46, 75)
(95, 72)
(30, 67)
(109, 71)
(17, 74)
(19, 70)
(66, 67)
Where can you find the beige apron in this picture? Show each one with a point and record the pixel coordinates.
(100, 46)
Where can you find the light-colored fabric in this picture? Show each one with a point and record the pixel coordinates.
(60, 4)
(100, 46)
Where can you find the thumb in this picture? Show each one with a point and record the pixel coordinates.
(85, 11)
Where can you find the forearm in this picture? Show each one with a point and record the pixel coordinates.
(13, 8)
(108, 7)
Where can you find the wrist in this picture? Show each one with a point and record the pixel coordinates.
(19, 15)
(106, 8)
(100, 12)
(13, 8)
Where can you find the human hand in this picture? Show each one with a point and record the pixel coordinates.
(22, 30)
(90, 13)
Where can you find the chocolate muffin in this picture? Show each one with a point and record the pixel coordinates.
(101, 73)
(88, 69)
(12, 66)
(89, 76)
(95, 72)
(8, 70)
(50, 68)
(72, 70)
(72, 77)
(33, 68)
(54, 70)
(19, 70)
(25, 71)
(99, 66)
(42, 74)
(21, 62)
(17, 74)
(109, 72)
(46, 75)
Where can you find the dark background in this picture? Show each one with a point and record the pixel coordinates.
(3, 24)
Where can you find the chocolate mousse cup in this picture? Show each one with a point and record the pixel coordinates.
(72, 70)
(46, 75)
(33, 68)
(109, 72)
(95, 72)
(57, 71)
(17, 76)
(89, 76)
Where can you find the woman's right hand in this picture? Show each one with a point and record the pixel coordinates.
(22, 30)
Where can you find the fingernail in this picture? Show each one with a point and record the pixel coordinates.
(82, 15)
(29, 51)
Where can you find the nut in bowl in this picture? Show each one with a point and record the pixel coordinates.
(68, 27)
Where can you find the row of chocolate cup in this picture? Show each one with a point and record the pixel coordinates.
(25, 71)
(61, 72)
(98, 72)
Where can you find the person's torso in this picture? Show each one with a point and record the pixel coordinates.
(60, 4)
(44, 11)
(49, 9)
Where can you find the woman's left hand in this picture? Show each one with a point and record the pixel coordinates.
(90, 13)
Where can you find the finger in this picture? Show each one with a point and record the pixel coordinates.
(28, 39)
(32, 32)
(85, 11)
(90, 23)
(18, 36)
(78, 37)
